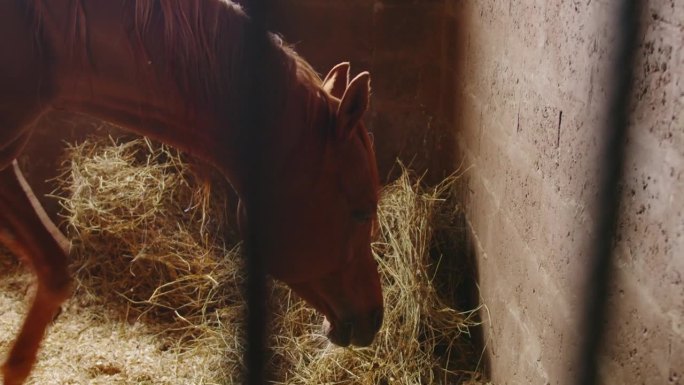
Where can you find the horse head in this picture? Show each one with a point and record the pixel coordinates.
(319, 235)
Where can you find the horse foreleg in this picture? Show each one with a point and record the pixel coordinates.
(28, 232)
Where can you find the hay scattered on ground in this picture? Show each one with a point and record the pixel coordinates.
(153, 247)
(89, 344)
(418, 323)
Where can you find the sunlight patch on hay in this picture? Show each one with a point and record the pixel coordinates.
(148, 228)
(151, 238)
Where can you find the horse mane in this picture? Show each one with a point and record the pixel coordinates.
(203, 41)
(203, 44)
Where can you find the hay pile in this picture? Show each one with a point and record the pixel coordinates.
(152, 238)
(148, 233)
(418, 323)
(140, 209)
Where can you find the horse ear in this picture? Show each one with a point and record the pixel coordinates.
(353, 105)
(337, 79)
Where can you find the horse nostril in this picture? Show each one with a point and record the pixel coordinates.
(377, 318)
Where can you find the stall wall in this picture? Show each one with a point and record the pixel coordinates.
(531, 82)
(402, 44)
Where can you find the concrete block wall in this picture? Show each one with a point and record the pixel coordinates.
(646, 340)
(531, 88)
(530, 94)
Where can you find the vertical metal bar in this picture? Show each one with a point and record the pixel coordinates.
(254, 123)
(599, 276)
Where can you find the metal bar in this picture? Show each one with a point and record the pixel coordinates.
(256, 40)
(599, 276)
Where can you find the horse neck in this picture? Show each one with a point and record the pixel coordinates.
(174, 71)
(133, 68)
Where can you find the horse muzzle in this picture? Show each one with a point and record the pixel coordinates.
(357, 332)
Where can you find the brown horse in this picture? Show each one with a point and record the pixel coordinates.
(174, 70)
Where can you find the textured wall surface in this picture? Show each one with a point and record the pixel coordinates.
(646, 339)
(530, 95)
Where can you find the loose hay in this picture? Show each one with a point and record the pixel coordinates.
(148, 234)
(418, 323)
(140, 208)
(151, 239)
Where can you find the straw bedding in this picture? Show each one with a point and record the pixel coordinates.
(158, 271)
